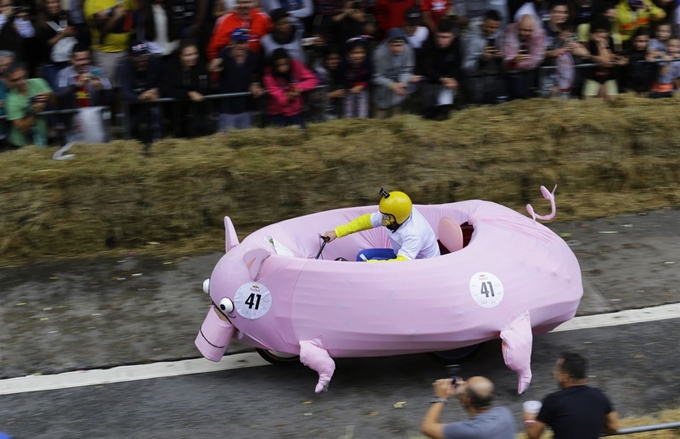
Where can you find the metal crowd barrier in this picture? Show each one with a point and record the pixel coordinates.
(208, 97)
(646, 428)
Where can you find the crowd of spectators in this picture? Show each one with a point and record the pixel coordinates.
(373, 58)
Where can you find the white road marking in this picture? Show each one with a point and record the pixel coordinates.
(627, 317)
(38, 383)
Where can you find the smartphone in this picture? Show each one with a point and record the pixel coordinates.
(523, 48)
(96, 71)
(491, 42)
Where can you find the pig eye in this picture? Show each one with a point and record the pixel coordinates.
(226, 305)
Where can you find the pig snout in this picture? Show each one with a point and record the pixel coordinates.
(214, 337)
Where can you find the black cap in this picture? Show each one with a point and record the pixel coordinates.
(413, 16)
(139, 48)
(278, 14)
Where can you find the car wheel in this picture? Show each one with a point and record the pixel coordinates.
(279, 358)
(456, 355)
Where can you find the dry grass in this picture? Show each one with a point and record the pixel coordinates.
(607, 158)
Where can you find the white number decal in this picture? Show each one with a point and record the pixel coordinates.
(252, 300)
(486, 289)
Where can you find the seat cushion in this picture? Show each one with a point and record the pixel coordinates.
(450, 234)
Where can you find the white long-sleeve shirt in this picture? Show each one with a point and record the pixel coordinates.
(415, 239)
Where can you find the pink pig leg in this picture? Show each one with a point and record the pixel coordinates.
(517, 340)
(314, 356)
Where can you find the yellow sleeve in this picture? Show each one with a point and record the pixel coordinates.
(398, 259)
(655, 12)
(356, 225)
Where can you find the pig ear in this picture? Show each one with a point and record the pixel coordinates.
(254, 259)
(231, 239)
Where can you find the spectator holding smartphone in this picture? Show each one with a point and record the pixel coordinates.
(577, 410)
(27, 98)
(524, 50)
(476, 395)
(286, 79)
(561, 42)
(483, 60)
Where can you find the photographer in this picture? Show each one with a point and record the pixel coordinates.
(476, 396)
(15, 28)
(27, 98)
(82, 85)
(483, 60)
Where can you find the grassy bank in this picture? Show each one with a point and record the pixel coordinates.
(606, 158)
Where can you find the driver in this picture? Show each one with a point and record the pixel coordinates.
(412, 236)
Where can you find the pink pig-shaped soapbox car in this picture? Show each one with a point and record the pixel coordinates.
(501, 275)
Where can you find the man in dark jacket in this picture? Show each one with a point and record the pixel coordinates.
(140, 80)
(442, 71)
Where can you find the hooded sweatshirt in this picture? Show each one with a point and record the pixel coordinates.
(388, 69)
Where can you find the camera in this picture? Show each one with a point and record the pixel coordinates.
(453, 371)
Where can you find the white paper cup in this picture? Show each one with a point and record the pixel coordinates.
(532, 407)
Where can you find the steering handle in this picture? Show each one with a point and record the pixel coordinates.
(325, 239)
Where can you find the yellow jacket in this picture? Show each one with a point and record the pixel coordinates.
(628, 20)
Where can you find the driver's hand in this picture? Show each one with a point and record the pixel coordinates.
(331, 235)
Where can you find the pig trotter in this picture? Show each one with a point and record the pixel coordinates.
(314, 356)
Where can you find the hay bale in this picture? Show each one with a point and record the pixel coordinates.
(606, 158)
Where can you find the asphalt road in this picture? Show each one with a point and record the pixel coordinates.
(636, 365)
(96, 314)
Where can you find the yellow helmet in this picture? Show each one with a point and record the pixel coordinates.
(396, 205)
